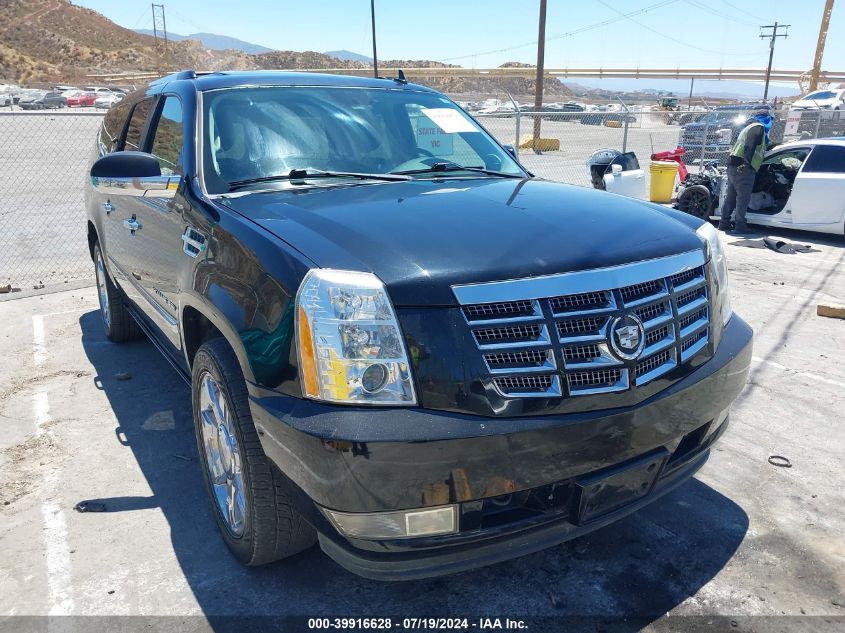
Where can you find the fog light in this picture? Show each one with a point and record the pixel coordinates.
(374, 378)
(401, 524)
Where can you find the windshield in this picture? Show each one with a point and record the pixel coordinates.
(822, 94)
(254, 133)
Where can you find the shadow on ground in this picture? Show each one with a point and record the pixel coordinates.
(640, 567)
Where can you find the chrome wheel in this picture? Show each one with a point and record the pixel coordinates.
(222, 453)
(103, 290)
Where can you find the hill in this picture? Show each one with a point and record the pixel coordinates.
(349, 56)
(54, 41)
(214, 42)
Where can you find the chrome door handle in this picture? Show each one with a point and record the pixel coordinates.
(108, 207)
(132, 224)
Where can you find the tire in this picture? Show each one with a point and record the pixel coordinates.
(696, 200)
(268, 525)
(118, 324)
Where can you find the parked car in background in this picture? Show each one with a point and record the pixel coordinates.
(47, 101)
(82, 99)
(721, 126)
(98, 90)
(107, 100)
(28, 96)
(830, 99)
(400, 344)
(801, 185)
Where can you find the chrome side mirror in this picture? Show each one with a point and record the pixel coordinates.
(132, 174)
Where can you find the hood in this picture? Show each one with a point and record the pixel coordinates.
(421, 237)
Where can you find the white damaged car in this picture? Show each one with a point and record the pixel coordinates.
(801, 185)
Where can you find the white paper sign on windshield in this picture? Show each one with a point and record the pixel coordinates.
(449, 120)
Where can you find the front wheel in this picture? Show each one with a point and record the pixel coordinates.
(696, 200)
(252, 501)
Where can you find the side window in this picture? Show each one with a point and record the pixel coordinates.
(136, 125)
(168, 137)
(826, 159)
(112, 126)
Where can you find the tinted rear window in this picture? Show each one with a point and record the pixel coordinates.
(112, 127)
(136, 125)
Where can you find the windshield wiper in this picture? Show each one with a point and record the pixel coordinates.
(444, 167)
(308, 174)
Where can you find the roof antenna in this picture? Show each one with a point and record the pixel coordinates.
(401, 78)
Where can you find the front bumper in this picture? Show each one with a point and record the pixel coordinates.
(374, 460)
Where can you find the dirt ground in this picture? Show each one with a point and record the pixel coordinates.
(745, 546)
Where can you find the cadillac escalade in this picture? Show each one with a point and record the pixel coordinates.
(400, 343)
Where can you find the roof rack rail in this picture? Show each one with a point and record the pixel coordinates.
(182, 74)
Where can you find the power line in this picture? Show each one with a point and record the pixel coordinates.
(719, 14)
(741, 10)
(560, 36)
(674, 39)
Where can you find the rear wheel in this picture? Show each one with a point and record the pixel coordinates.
(252, 501)
(118, 324)
(696, 200)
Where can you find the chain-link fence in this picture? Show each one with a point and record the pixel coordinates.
(44, 157)
(42, 216)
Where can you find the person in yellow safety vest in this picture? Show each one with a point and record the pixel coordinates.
(745, 159)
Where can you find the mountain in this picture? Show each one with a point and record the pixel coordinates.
(54, 41)
(349, 56)
(215, 42)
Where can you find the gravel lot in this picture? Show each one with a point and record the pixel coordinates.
(743, 540)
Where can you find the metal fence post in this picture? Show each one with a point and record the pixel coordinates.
(518, 117)
(703, 147)
(625, 126)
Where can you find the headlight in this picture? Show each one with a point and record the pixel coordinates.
(718, 264)
(349, 343)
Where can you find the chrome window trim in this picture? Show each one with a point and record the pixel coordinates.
(594, 280)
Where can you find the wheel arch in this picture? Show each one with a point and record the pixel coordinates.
(200, 324)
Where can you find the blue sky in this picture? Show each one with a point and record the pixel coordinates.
(667, 33)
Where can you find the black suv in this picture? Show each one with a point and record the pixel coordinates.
(399, 342)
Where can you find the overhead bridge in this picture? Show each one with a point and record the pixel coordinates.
(718, 74)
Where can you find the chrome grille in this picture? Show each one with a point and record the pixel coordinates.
(508, 333)
(640, 291)
(653, 311)
(581, 353)
(652, 363)
(511, 321)
(655, 336)
(582, 326)
(483, 311)
(592, 379)
(527, 385)
(580, 302)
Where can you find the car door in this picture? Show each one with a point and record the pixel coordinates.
(121, 224)
(161, 253)
(775, 205)
(818, 195)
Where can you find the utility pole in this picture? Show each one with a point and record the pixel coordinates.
(373, 18)
(538, 88)
(772, 36)
(817, 60)
(691, 84)
(159, 26)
